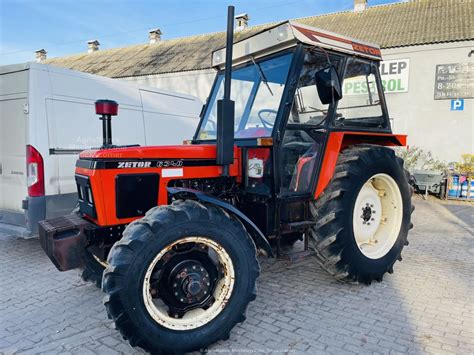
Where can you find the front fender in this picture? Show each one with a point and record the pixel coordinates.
(260, 241)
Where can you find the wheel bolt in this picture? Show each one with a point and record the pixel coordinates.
(176, 293)
(208, 284)
(194, 267)
(182, 299)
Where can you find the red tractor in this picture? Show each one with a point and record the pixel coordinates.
(302, 151)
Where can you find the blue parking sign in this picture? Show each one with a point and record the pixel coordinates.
(457, 105)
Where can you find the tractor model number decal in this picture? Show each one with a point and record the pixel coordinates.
(169, 163)
(149, 164)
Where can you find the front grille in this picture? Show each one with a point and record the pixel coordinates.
(135, 194)
(85, 196)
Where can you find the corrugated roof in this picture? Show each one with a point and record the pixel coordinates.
(410, 23)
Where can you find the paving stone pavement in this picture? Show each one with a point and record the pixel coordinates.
(426, 306)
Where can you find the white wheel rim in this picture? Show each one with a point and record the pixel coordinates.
(197, 317)
(377, 216)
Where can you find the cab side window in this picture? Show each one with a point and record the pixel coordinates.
(307, 108)
(360, 105)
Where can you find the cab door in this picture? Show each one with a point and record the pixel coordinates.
(305, 132)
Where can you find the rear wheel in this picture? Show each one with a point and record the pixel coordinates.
(364, 215)
(180, 278)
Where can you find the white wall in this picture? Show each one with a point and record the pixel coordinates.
(430, 124)
(197, 82)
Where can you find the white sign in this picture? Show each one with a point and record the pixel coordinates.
(394, 75)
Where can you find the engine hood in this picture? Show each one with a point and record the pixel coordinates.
(194, 151)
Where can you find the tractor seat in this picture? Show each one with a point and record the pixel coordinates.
(305, 169)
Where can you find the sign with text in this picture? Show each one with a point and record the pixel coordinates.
(457, 105)
(454, 81)
(394, 75)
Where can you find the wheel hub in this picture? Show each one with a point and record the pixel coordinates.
(190, 282)
(367, 213)
(187, 280)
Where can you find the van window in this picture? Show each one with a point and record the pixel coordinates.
(360, 105)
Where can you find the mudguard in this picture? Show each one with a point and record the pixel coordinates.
(256, 234)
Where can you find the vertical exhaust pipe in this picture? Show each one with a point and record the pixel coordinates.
(226, 107)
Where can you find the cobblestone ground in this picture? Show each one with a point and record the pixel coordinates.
(426, 306)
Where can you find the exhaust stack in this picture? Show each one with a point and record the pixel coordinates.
(107, 109)
(225, 107)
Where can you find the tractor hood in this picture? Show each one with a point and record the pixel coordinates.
(207, 151)
(150, 157)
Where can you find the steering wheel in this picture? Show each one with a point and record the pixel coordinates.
(266, 124)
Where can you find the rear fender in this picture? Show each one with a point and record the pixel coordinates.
(258, 237)
(338, 141)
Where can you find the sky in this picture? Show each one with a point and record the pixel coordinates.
(63, 27)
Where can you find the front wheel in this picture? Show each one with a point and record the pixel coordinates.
(93, 269)
(364, 215)
(180, 278)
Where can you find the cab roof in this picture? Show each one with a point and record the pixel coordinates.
(288, 34)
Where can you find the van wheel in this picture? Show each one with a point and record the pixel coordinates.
(93, 269)
(363, 216)
(180, 278)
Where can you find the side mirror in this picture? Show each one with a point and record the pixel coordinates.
(328, 85)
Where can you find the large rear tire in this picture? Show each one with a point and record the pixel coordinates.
(363, 216)
(180, 278)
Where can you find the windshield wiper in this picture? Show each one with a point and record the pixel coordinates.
(262, 75)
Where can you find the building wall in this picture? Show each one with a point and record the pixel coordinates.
(429, 123)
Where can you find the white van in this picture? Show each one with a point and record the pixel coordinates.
(47, 117)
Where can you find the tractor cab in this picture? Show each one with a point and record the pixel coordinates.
(292, 86)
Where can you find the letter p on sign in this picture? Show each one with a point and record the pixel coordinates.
(457, 105)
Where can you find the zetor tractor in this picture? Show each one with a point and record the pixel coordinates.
(302, 151)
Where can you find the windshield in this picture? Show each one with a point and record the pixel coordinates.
(256, 89)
